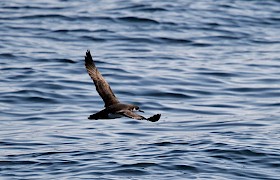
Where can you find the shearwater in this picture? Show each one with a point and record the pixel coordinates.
(113, 107)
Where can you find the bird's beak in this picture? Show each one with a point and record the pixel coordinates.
(140, 110)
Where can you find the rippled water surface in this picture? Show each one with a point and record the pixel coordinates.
(211, 68)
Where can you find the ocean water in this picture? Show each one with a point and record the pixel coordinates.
(211, 68)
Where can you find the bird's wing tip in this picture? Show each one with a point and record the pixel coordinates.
(88, 57)
(154, 118)
(88, 53)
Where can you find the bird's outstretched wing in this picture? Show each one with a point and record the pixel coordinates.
(154, 118)
(130, 114)
(102, 87)
(133, 115)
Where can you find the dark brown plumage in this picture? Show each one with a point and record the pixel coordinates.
(102, 87)
(113, 107)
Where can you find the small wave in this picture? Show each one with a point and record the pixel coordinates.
(201, 44)
(26, 70)
(17, 163)
(43, 16)
(168, 143)
(28, 7)
(139, 165)
(126, 172)
(151, 9)
(132, 134)
(219, 105)
(183, 167)
(141, 7)
(7, 55)
(66, 137)
(250, 89)
(239, 152)
(167, 95)
(91, 38)
(219, 74)
(37, 99)
(132, 19)
(174, 40)
(65, 61)
(71, 30)
(31, 144)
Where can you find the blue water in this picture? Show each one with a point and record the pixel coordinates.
(211, 68)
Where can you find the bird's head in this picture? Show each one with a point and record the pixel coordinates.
(136, 108)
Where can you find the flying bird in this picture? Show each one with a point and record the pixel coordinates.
(113, 108)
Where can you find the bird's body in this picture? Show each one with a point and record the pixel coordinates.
(113, 111)
(113, 107)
